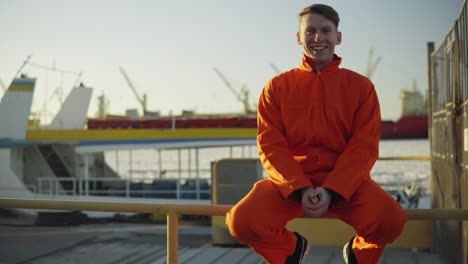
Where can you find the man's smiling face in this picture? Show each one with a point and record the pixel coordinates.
(318, 37)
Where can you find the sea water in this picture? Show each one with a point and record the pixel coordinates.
(150, 164)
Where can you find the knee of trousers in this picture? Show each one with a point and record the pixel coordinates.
(241, 223)
(384, 226)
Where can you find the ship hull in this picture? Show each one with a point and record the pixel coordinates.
(408, 127)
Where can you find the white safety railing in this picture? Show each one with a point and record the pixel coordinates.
(52, 186)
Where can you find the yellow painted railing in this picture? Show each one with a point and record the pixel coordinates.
(174, 210)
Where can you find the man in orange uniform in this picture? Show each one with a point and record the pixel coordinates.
(318, 138)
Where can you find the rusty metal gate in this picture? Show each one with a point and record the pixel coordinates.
(448, 120)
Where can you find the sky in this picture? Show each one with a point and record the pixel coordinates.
(169, 48)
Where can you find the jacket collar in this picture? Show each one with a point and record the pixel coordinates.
(331, 67)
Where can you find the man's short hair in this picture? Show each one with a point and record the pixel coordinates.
(327, 11)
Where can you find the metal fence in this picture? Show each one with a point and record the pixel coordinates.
(448, 120)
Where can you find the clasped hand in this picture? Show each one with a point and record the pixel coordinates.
(315, 201)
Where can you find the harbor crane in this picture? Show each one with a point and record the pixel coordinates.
(141, 99)
(275, 69)
(242, 96)
(2, 85)
(371, 64)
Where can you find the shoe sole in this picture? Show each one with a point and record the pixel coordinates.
(345, 253)
(307, 250)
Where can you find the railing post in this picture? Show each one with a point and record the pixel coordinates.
(56, 187)
(74, 187)
(197, 174)
(127, 188)
(172, 237)
(178, 189)
(39, 185)
(86, 174)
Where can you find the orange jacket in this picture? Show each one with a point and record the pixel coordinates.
(318, 129)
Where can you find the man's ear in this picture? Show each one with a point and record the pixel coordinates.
(338, 37)
(298, 36)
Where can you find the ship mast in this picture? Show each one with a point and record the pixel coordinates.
(412, 102)
(103, 106)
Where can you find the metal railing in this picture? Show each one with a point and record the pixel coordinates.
(122, 187)
(84, 187)
(173, 211)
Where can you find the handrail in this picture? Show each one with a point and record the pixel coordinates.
(112, 206)
(402, 158)
(174, 210)
(190, 209)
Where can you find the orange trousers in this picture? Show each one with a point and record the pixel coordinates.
(259, 221)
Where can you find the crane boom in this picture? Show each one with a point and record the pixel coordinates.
(228, 84)
(372, 65)
(273, 66)
(141, 100)
(242, 96)
(2, 85)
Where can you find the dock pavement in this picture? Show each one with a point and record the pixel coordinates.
(131, 243)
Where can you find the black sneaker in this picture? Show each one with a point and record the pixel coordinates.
(348, 254)
(302, 250)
